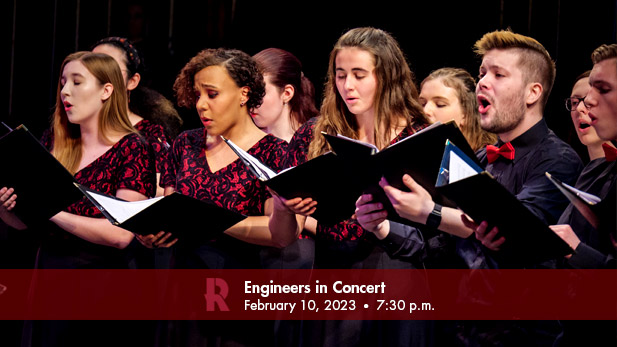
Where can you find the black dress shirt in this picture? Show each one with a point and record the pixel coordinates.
(538, 150)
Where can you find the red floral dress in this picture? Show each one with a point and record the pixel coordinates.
(233, 187)
(126, 165)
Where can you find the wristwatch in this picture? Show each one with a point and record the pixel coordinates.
(434, 218)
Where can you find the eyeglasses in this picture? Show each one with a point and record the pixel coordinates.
(572, 103)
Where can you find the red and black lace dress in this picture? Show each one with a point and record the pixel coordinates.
(232, 187)
(158, 141)
(345, 244)
(126, 165)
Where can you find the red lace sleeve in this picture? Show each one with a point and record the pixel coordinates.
(135, 167)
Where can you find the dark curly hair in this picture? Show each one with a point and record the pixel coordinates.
(241, 68)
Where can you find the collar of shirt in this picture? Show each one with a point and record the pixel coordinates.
(528, 140)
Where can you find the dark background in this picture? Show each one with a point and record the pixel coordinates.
(432, 34)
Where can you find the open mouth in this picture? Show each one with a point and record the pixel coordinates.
(483, 103)
(67, 105)
(583, 125)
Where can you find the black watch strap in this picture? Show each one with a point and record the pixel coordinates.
(434, 218)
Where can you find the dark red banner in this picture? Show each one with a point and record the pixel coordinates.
(306, 294)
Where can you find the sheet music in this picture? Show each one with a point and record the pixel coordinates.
(459, 169)
(122, 210)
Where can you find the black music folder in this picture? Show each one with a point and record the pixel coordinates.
(185, 217)
(337, 179)
(43, 186)
(418, 155)
(480, 196)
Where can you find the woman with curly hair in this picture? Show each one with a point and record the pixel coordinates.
(223, 85)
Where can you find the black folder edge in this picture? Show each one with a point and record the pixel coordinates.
(86, 191)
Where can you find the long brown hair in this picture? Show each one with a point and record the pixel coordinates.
(396, 96)
(113, 116)
(465, 87)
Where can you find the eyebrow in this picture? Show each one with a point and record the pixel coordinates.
(439, 97)
(74, 74)
(205, 85)
(354, 69)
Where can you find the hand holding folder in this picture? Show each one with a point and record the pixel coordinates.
(481, 197)
(44, 187)
(185, 217)
(336, 179)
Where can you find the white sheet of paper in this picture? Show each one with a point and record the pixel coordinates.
(459, 169)
(123, 210)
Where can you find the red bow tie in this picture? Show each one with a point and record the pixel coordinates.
(610, 152)
(493, 152)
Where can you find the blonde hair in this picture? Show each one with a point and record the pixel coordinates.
(396, 95)
(113, 116)
(465, 87)
(536, 63)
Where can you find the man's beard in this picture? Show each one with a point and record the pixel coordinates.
(509, 116)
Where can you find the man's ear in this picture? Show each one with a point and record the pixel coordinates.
(534, 93)
(133, 82)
